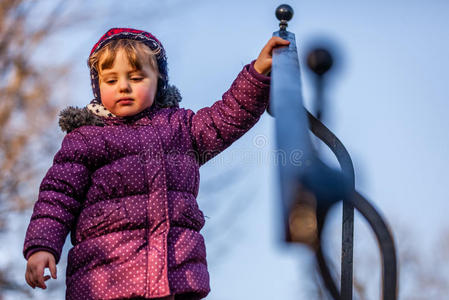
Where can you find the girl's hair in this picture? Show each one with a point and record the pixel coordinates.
(138, 54)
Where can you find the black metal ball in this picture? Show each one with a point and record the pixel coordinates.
(284, 12)
(320, 60)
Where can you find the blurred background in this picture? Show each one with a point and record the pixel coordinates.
(386, 99)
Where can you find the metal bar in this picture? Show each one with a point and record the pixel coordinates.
(292, 138)
(347, 246)
(386, 245)
(345, 161)
(302, 167)
(383, 234)
(320, 61)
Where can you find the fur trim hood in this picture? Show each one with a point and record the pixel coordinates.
(73, 117)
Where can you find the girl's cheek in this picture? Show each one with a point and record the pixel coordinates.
(107, 96)
(145, 92)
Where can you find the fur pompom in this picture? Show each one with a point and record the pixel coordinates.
(71, 118)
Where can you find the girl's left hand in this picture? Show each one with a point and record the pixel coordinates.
(263, 62)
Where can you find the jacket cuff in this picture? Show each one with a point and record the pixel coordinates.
(41, 243)
(40, 248)
(261, 77)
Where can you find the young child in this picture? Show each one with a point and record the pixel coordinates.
(125, 181)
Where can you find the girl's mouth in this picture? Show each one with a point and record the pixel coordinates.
(125, 100)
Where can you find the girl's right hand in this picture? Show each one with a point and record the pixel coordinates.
(37, 262)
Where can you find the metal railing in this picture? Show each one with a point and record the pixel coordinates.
(309, 187)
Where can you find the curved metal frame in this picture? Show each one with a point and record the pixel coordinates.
(323, 185)
(381, 230)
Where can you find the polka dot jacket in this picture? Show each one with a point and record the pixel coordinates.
(126, 192)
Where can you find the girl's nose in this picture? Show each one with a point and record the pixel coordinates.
(124, 85)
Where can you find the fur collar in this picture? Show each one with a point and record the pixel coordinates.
(72, 117)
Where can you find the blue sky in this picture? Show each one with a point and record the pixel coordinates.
(387, 102)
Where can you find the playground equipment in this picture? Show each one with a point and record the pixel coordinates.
(308, 186)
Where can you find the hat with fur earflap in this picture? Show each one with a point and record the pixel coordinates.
(167, 95)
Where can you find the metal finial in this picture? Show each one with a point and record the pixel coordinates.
(320, 61)
(284, 13)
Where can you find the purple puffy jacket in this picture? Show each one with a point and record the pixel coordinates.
(126, 191)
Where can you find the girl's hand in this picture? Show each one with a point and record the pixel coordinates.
(37, 262)
(263, 62)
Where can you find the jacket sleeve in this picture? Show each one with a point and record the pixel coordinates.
(215, 128)
(60, 195)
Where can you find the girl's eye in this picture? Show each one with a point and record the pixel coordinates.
(136, 78)
(110, 81)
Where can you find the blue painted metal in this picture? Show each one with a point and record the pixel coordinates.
(303, 177)
(302, 167)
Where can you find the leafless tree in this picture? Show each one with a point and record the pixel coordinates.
(28, 106)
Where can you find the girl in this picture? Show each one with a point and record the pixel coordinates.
(125, 181)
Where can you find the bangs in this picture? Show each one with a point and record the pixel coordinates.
(138, 55)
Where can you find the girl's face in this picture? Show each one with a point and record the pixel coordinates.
(124, 90)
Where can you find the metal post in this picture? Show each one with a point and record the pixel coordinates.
(320, 62)
(307, 185)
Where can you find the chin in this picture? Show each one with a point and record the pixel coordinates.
(125, 114)
(128, 112)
